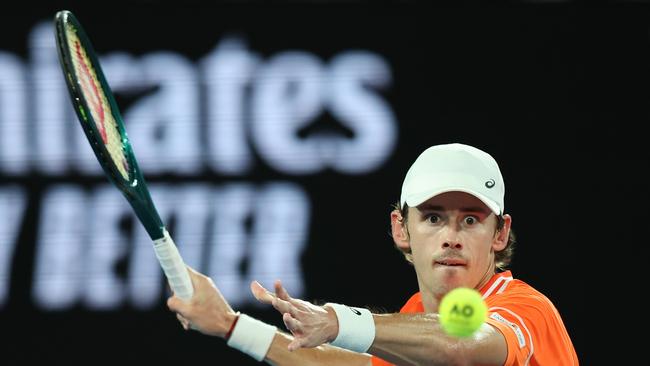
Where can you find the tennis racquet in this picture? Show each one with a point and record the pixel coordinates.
(100, 119)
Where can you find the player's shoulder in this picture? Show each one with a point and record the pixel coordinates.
(520, 294)
(504, 286)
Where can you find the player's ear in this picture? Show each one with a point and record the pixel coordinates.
(398, 230)
(502, 235)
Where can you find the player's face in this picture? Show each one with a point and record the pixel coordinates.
(452, 239)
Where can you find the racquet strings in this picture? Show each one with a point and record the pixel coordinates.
(98, 105)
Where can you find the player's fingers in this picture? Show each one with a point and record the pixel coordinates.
(288, 307)
(184, 322)
(261, 294)
(284, 306)
(175, 304)
(195, 276)
(298, 342)
(281, 292)
(294, 345)
(199, 280)
(291, 323)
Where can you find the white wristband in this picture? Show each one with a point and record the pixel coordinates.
(356, 328)
(251, 336)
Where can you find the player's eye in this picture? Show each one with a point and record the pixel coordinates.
(470, 220)
(433, 218)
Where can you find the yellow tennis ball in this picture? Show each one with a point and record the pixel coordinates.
(462, 311)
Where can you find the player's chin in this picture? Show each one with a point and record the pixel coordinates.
(452, 276)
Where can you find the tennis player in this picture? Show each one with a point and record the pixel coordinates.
(450, 224)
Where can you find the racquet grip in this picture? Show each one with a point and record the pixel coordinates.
(173, 266)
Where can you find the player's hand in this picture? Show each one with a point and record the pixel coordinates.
(311, 325)
(207, 311)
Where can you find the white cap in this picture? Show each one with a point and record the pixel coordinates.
(454, 167)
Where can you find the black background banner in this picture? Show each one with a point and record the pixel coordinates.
(556, 92)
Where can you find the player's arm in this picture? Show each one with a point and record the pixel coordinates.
(279, 354)
(404, 339)
(209, 313)
(418, 339)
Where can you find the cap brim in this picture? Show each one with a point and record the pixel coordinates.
(417, 199)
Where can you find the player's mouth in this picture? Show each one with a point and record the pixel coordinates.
(450, 262)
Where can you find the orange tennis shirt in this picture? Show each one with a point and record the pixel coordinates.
(530, 323)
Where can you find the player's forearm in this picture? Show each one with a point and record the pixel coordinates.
(418, 339)
(279, 355)
(410, 340)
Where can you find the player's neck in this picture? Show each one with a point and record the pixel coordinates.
(487, 276)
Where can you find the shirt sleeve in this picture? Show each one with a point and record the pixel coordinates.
(518, 349)
(532, 328)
